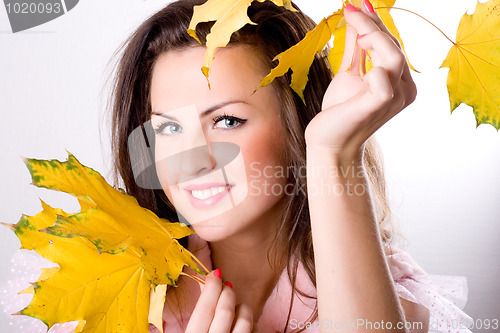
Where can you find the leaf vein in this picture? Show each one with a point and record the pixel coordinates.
(479, 80)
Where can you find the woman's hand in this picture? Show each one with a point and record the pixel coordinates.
(356, 105)
(216, 310)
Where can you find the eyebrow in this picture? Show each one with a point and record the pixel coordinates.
(204, 113)
(164, 115)
(218, 106)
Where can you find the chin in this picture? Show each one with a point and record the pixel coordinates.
(247, 215)
(213, 229)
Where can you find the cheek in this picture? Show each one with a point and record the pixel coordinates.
(167, 191)
(265, 166)
(162, 170)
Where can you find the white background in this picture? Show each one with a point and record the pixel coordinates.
(443, 172)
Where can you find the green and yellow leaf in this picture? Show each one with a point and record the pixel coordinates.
(474, 63)
(87, 286)
(111, 255)
(115, 213)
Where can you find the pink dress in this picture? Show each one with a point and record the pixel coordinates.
(444, 296)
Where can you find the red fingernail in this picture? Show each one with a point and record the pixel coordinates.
(350, 8)
(368, 6)
(229, 284)
(218, 273)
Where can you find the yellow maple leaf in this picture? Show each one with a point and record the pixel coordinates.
(87, 286)
(230, 16)
(116, 222)
(111, 255)
(300, 57)
(474, 63)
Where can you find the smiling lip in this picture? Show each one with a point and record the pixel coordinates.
(206, 195)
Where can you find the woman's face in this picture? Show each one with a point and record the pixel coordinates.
(218, 151)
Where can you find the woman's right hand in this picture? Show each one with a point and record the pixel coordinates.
(216, 310)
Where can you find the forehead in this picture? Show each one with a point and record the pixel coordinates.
(177, 79)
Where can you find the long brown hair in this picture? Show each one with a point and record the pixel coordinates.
(277, 29)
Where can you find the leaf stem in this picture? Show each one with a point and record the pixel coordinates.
(198, 261)
(423, 18)
(197, 279)
(332, 15)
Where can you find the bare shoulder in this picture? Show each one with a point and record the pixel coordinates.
(417, 314)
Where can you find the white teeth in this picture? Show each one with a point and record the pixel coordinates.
(207, 193)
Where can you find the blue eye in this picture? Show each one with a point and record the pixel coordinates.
(168, 128)
(228, 122)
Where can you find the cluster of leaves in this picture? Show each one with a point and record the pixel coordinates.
(474, 59)
(112, 255)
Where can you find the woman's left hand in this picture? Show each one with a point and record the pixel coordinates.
(356, 105)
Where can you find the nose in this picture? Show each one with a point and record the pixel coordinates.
(199, 161)
(195, 162)
(185, 158)
(195, 157)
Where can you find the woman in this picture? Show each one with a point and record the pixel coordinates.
(234, 165)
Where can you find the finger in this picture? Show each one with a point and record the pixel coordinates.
(367, 8)
(350, 50)
(379, 93)
(243, 319)
(365, 26)
(406, 76)
(204, 311)
(384, 54)
(395, 99)
(360, 21)
(390, 100)
(225, 311)
(366, 110)
(409, 86)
